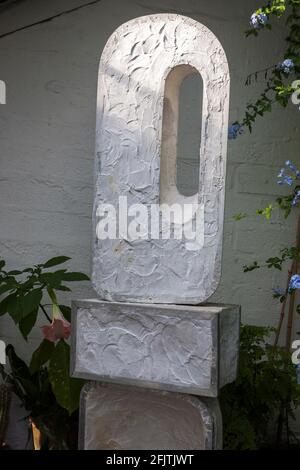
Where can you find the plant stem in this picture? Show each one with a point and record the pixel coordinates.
(282, 311)
(280, 426)
(292, 270)
(287, 426)
(289, 329)
(45, 313)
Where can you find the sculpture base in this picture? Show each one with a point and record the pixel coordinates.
(119, 417)
(189, 349)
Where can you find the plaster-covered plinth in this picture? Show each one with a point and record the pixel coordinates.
(127, 418)
(190, 349)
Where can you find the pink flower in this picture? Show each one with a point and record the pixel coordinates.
(60, 328)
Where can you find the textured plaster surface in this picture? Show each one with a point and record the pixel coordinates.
(229, 335)
(133, 160)
(115, 417)
(167, 347)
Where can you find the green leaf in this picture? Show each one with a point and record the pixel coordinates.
(11, 304)
(21, 373)
(63, 288)
(267, 212)
(66, 389)
(251, 267)
(66, 311)
(2, 263)
(14, 308)
(29, 283)
(31, 301)
(239, 216)
(5, 303)
(75, 276)
(55, 261)
(18, 367)
(52, 280)
(26, 324)
(41, 355)
(5, 288)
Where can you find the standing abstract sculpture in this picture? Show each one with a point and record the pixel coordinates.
(141, 68)
(157, 252)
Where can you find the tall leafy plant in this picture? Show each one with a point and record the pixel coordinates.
(266, 382)
(44, 387)
(281, 84)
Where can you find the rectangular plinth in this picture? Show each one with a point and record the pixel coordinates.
(119, 417)
(178, 348)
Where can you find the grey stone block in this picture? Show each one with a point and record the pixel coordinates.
(190, 349)
(118, 417)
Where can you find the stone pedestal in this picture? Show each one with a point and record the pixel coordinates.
(118, 417)
(182, 351)
(178, 348)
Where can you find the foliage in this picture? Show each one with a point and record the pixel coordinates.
(276, 262)
(266, 381)
(285, 204)
(280, 79)
(45, 387)
(279, 88)
(25, 290)
(57, 426)
(5, 399)
(266, 385)
(283, 385)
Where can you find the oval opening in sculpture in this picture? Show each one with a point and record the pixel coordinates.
(189, 134)
(181, 134)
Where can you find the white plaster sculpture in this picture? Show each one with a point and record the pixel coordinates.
(137, 339)
(141, 69)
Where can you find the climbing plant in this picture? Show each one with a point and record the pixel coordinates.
(278, 89)
(281, 86)
(282, 80)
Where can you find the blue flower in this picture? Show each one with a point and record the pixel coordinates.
(258, 20)
(294, 282)
(286, 66)
(286, 179)
(234, 130)
(290, 166)
(296, 199)
(283, 177)
(289, 180)
(278, 291)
